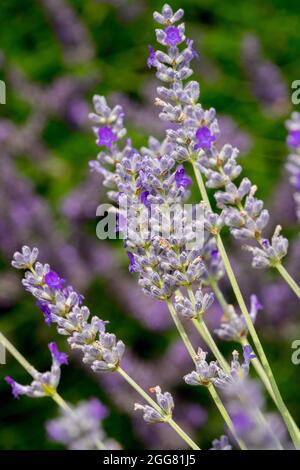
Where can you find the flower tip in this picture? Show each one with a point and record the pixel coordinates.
(59, 357)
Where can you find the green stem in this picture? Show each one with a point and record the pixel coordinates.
(220, 297)
(154, 405)
(58, 399)
(206, 336)
(288, 278)
(181, 331)
(225, 415)
(192, 353)
(226, 367)
(293, 430)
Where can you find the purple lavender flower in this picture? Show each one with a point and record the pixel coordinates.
(133, 267)
(100, 349)
(144, 198)
(190, 43)
(181, 178)
(204, 138)
(53, 280)
(248, 354)
(46, 311)
(43, 384)
(293, 139)
(59, 357)
(106, 137)
(151, 61)
(173, 36)
(16, 391)
(166, 403)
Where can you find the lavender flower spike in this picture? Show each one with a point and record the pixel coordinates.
(205, 372)
(43, 384)
(195, 140)
(63, 306)
(165, 402)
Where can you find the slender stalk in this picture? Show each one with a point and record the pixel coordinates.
(222, 361)
(219, 295)
(181, 331)
(288, 278)
(152, 403)
(225, 415)
(192, 353)
(205, 334)
(58, 399)
(293, 430)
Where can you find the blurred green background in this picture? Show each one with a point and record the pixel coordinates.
(54, 149)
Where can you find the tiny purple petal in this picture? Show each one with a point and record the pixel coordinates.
(132, 264)
(214, 254)
(46, 312)
(204, 138)
(14, 386)
(144, 198)
(255, 303)
(173, 35)
(53, 280)
(181, 179)
(151, 61)
(293, 139)
(248, 354)
(59, 357)
(189, 43)
(106, 137)
(265, 243)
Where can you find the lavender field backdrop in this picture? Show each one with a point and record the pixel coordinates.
(54, 56)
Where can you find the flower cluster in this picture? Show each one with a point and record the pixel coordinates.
(202, 303)
(233, 326)
(208, 373)
(81, 427)
(43, 384)
(194, 137)
(293, 163)
(149, 189)
(221, 444)
(155, 415)
(63, 306)
(205, 372)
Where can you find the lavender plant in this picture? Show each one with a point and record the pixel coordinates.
(62, 305)
(182, 268)
(155, 176)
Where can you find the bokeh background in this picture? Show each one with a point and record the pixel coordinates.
(54, 55)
